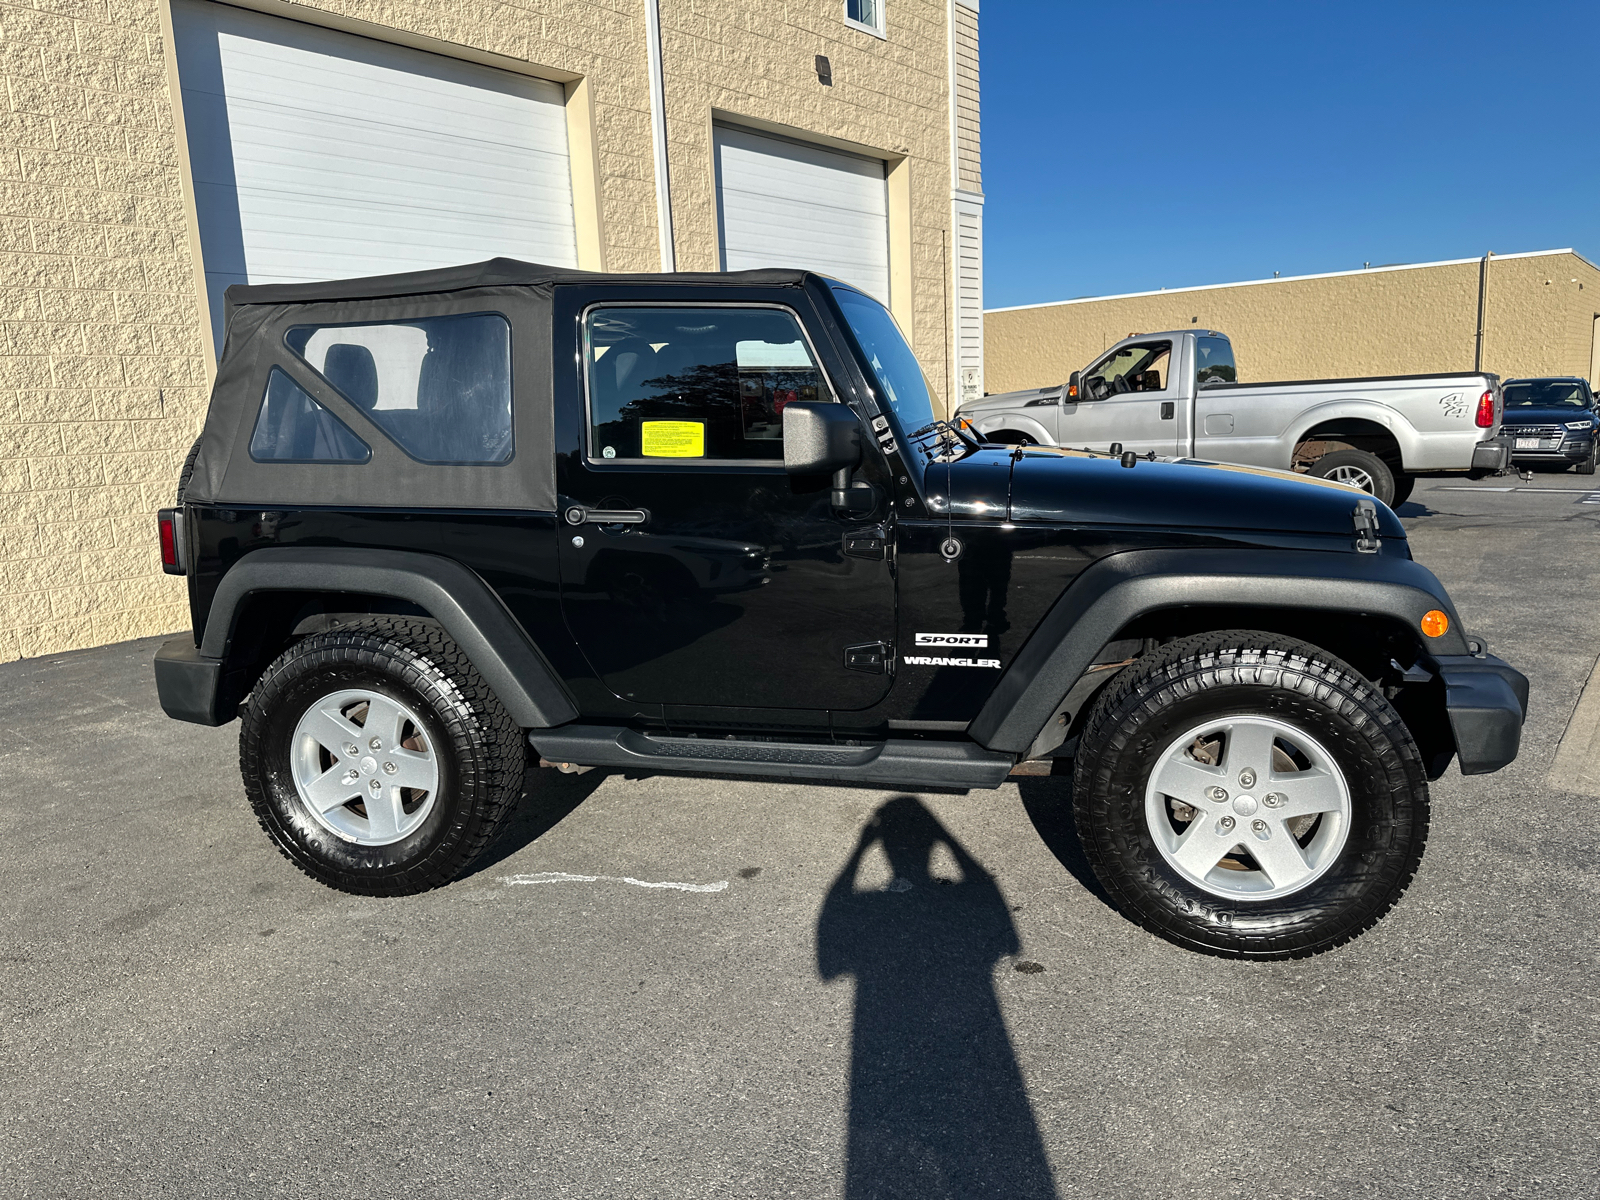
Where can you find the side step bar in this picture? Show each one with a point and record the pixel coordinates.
(894, 763)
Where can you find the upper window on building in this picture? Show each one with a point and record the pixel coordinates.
(1214, 362)
(695, 383)
(292, 427)
(865, 15)
(440, 387)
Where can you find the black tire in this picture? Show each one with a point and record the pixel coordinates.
(1402, 489)
(1357, 463)
(1243, 673)
(187, 471)
(1586, 467)
(476, 744)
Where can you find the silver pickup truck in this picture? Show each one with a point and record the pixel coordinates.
(1177, 394)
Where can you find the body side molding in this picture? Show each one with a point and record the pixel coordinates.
(453, 595)
(1122, 587)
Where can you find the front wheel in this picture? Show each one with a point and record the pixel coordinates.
(1248, 795)
(1586, 467)
(1358, 469)
(377, 758)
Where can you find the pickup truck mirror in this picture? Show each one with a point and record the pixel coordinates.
(820, 438)
(1069, 394)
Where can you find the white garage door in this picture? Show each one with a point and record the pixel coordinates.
(787, 204)
(322, 155)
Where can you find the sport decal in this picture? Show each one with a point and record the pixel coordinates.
(961, 641)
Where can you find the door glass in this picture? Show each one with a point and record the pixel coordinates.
(1214, 362)
(687, 382)
(1136, 368)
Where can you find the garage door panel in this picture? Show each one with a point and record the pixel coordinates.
(783, 203)
(318, 154)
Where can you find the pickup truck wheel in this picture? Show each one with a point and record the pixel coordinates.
(1250, 796)
(1358, 469)
(377, 758)
(1402, 489)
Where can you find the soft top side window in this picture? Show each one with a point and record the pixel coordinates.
(439, 387)
(694, 382)
(291, 427)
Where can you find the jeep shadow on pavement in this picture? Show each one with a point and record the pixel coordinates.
(708, 523)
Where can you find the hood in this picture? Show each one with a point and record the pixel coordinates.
(1071, 486)
(1545, 415)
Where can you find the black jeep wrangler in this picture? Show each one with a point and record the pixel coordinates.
(709, 523)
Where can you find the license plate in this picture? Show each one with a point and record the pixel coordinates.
(1527, 443)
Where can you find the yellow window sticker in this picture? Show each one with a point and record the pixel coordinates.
(672, 439)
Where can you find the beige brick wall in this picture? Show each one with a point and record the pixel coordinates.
(103, 370)
(1381, 322)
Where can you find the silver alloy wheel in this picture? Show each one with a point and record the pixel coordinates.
(1353, 476)
(364, 767)
(1248, 807)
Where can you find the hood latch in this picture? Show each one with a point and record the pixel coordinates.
(1365, 518)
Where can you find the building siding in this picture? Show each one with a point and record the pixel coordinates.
(104, 360)
(1539, 321)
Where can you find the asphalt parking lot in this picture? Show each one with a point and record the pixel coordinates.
(184, 1014)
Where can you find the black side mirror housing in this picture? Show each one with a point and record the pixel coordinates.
(820, 438)
(1069, 394)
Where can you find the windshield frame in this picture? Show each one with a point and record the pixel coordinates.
(882, 393)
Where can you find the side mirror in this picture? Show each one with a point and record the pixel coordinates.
(1069, 394)
(820, 438)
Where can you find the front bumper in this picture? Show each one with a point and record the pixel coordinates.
(1487, 701)
(188, 683)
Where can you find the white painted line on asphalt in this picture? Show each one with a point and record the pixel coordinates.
(1456, 488)
(563, 877)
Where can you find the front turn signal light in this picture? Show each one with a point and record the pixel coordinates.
(1434, 623)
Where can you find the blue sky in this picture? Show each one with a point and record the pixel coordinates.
(1134, 146)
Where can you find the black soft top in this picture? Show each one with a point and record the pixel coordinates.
(495, 272)
(260, 317)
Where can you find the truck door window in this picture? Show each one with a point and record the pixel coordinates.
(1213, 362)
(1137, 368)
(687, 382)
(440, 387)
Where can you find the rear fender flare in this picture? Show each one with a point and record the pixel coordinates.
(455, 596)
(1123, 587)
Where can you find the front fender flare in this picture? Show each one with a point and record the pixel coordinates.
(989, 422)
(1122, 587)
(463, 604)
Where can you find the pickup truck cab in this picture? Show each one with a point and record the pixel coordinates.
(1177, 394)
(443, 526)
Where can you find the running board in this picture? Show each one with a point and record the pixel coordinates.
(898, 762)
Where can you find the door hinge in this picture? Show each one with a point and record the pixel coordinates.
(866, 543)
(870, 658)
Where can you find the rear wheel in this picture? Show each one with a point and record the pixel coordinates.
(377, 758)
(1358, 469)
(1402, 489)
(1251, 796)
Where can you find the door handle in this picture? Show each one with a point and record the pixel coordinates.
(1166, 410)
(578, 515)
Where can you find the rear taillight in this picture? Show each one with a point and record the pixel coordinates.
(1486, 411)
(170, 524)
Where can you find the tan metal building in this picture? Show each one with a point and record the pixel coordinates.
(154, 151)
(1540, 316)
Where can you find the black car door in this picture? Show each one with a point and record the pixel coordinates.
(694, 570)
